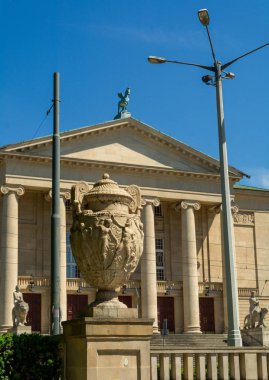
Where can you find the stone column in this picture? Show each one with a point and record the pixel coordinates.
(64, 195)
(9, 252)
(148, 265)
(218, 210)
(189, 268)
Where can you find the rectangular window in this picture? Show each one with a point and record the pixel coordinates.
(159, 259)
(72, 270)
(158, 211)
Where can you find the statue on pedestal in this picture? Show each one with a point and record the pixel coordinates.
(122, 105)
(256, 314)
(20, 309)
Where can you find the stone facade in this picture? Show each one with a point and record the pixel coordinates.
(182, 226)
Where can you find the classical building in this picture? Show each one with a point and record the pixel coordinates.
(180, 277)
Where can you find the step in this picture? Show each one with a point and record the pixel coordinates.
(185, 340)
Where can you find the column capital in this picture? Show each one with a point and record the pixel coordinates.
(18, 190)
(152, 201)
(218, 208)
(188, 204)
(234, 208)
(64, 193)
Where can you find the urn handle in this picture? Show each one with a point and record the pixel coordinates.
(135, 206)
(78, 192)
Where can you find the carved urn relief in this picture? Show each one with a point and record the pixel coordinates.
(106, 236)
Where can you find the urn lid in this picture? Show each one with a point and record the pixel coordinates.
(109, 190)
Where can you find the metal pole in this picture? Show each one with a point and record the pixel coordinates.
(55, 215)
(234, 336)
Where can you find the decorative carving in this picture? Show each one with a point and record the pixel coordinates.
(244, 218)
(20, 309)
(106, 236)
(18, 190)
(135, 206)
(216, 209)
(234, 208)
(186, 204)
(63, 194)
(153, 201)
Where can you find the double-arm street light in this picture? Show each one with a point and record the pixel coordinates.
(234, 336)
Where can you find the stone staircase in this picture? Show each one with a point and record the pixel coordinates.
(189, 341)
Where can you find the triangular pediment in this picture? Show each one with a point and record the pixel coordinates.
(127, 142)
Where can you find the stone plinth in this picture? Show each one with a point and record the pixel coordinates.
(108, 348)
(255, 337)
(21, 330)
(122, 115)
(105, 312)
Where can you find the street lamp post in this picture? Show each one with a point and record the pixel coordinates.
(55, 212)
(234, 336)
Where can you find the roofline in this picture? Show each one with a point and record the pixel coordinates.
(249, 188)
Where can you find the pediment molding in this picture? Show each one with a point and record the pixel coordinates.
(158, 138)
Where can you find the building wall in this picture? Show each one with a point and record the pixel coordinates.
(251, 242)
(251, 233)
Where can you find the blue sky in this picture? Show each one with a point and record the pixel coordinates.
(100, 48)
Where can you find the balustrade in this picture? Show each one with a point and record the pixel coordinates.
(225, 363)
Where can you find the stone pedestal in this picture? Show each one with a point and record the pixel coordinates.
(255, 337)
(103, 347)
(21, 330)
(122, 115)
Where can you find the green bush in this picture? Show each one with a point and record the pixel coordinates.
(29, 357)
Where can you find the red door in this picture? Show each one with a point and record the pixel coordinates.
(34, 315)
(76, 305)
(206, 309)
(126, 299)
(165, 307)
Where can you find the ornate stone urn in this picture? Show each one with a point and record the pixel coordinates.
(106, 236)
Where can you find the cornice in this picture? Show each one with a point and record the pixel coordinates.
(247, 192)
(114, 166)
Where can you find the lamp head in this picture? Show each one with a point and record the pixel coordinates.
(153, 59)
(207, 79)
(203, 17)
(229, 75)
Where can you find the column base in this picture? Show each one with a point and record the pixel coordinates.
(192, 330)
(5, 329)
